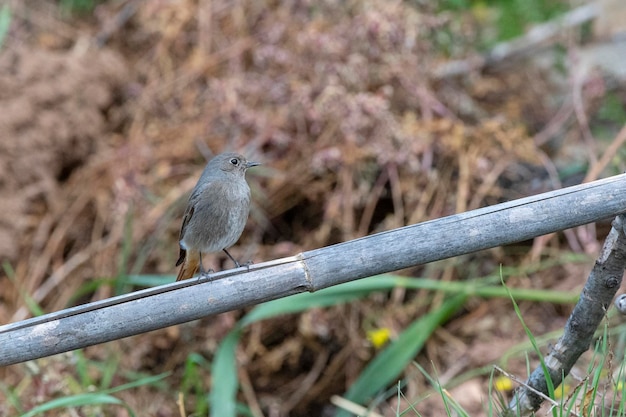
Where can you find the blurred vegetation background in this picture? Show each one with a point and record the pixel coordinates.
(110, 109)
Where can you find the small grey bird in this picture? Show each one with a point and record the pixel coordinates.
(216, 213)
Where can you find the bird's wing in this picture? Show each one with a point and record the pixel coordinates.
(188, 214)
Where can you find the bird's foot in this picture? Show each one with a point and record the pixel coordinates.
(206, 275)
(247, 265)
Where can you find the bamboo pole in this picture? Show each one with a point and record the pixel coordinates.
(179, 302)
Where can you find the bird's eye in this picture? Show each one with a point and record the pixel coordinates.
(234, 161)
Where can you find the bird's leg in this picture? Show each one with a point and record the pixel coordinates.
(203, 273)
(201, 266)
(233, 259)
(237, 264)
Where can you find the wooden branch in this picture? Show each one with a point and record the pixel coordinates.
(179, 302)
(538, 37)
(603, 282)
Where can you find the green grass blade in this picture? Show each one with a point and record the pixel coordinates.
(394, 359)
(77, 401)
(5, 22)
(93, 398)
(30, 302)
(147, 380)
(148, 280)
(324, 298)
(225, 382)
(533, 342)
(480, 288)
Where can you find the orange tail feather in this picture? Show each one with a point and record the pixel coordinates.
(191, 265)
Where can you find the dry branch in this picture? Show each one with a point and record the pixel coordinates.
(421, 243)
(537, 38)
(603, 282)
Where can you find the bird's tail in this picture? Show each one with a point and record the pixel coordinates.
(191, 264)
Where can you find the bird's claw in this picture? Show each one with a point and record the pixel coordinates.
(206, 275)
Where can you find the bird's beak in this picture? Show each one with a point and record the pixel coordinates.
(251, 164)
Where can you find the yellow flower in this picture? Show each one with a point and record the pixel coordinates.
(562, 391)
(503, 384)
(378, 337)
